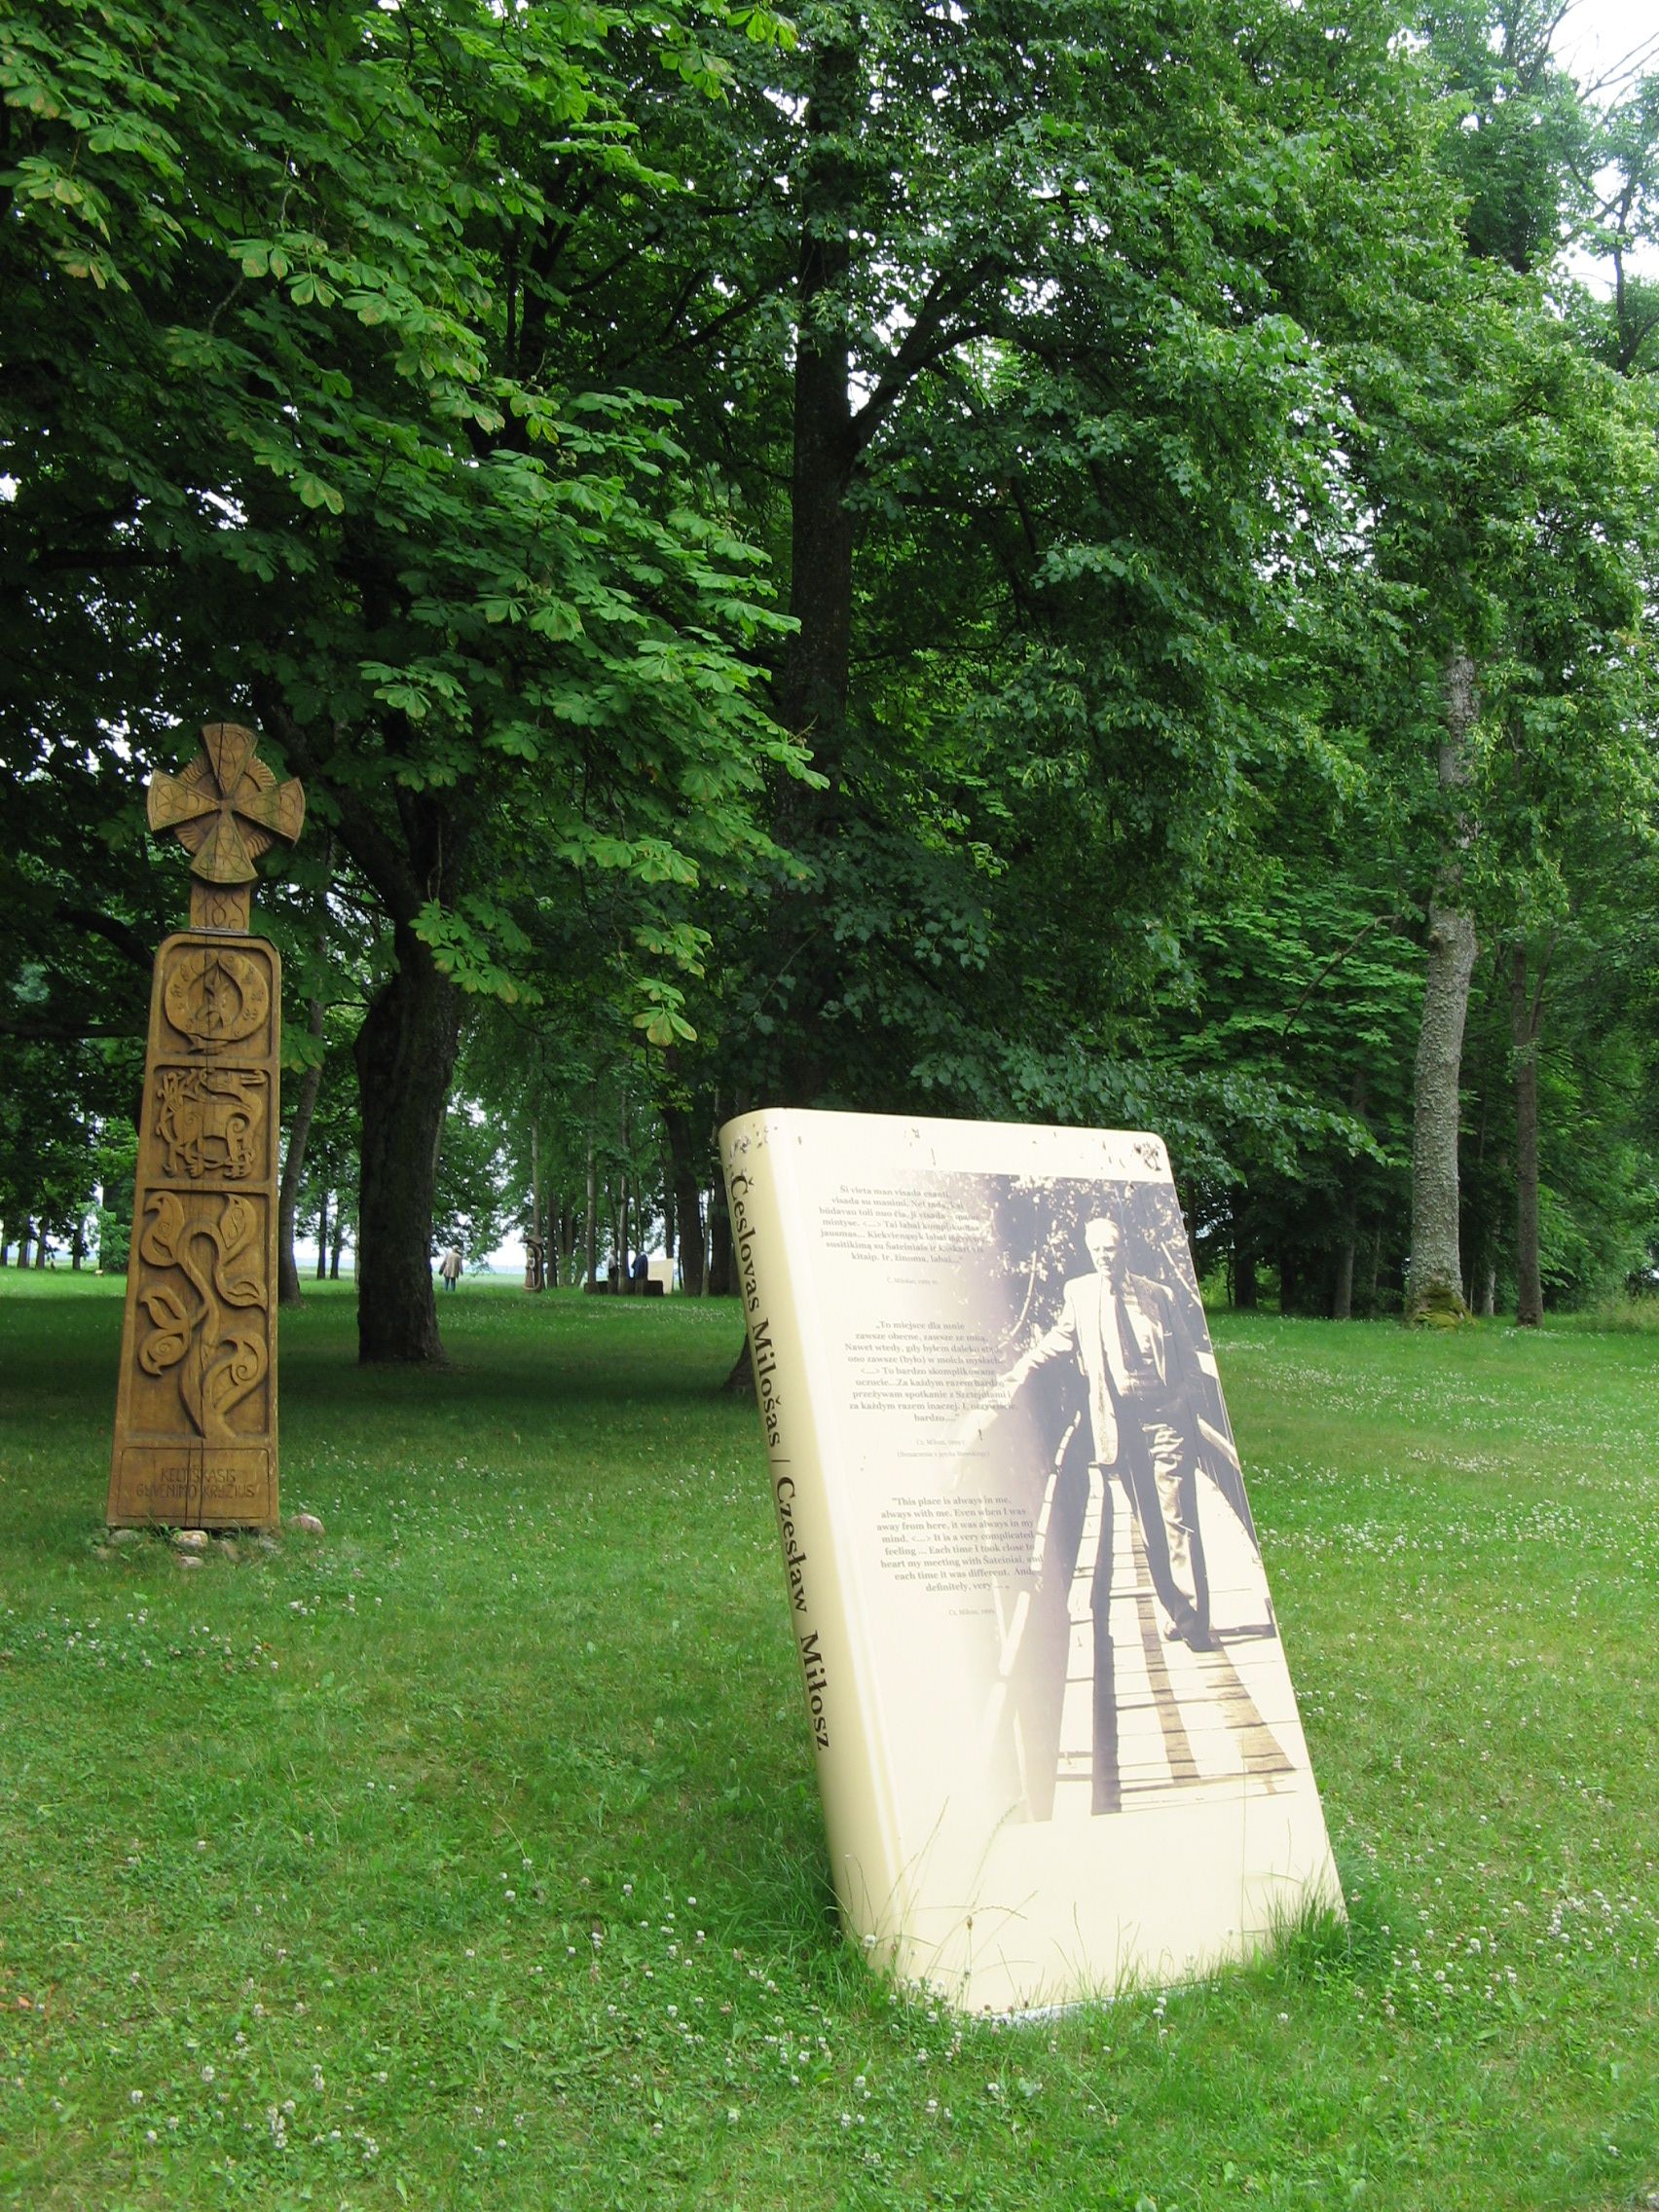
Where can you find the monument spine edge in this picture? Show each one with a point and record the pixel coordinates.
(765, 1230)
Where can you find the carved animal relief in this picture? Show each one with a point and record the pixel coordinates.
(196, 1416)
(210, 1120)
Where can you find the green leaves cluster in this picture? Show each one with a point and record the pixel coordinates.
(263, 391)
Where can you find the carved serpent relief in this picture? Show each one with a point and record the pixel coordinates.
(216, 1246)
(210, 1121)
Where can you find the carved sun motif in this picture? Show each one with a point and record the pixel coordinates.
(226, 807)
(216, 997)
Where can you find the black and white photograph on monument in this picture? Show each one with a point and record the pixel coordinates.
(1129, 1652)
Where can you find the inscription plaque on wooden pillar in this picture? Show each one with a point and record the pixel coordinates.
(196, 1408)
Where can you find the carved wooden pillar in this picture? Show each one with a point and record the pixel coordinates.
(196, 1409)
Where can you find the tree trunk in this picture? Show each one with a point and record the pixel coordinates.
(687, 1196)
(336, 1242)
(1526, 1010)
(43, 1246)
(538, 1243)
(322, 1237)
(1436, 1264)
(1341, 1291)
(405, 1054)
(720, 1283)
(1437, 1269)
(25, 1242)
(810, 694)
(590, 1237)
(740, 1378)
(294, 1166)
(304, 1106)
(811, 684)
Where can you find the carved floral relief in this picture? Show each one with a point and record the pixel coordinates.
(206, 1310)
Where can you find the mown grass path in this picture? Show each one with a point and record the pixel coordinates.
(470, 1856)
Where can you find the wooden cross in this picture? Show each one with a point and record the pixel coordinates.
(196, 1410)
(226, 809)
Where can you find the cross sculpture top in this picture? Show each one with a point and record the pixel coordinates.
(226, 809)
(196, 1407)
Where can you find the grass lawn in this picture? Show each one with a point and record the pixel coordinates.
(470, 1855)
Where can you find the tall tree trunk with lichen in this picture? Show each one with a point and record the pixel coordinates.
(1436, 1283)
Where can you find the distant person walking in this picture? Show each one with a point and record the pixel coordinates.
(449, 1267)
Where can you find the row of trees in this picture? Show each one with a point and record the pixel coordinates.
(1029, 560)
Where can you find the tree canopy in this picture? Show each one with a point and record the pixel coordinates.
(895, 556)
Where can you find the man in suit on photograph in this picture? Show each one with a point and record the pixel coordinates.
(1124, 1335)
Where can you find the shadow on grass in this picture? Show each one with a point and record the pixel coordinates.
(506, 1355)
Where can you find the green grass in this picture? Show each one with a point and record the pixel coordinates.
(470, 1856)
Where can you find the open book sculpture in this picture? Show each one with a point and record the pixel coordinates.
(1057, 1738)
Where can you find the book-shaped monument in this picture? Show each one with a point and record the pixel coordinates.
(1057, 1738)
